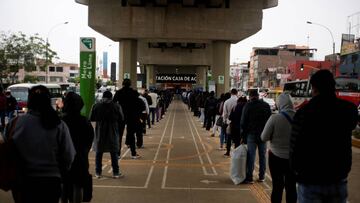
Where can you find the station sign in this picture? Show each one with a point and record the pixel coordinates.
(175, 78)
(87, 73)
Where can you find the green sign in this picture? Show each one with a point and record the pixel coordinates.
(221, 79)
(87, 73)
(126, 75)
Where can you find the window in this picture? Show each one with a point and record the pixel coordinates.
(41, 78)
(72, 68)
(56, 79)
(72, 75)
(59, 69)
(51, 68)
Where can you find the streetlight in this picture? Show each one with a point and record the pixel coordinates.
(47, 49)
(333, 43)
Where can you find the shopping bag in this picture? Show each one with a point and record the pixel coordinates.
(238, 164)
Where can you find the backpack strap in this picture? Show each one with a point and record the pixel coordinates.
(287, 117)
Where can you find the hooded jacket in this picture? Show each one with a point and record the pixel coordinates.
(277, 129)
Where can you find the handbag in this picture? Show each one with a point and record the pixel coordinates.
(219, 121)
(8, 161)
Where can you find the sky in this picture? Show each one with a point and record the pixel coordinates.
(284, 24)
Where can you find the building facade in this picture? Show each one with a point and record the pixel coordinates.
(268, 66)
(57, 73)
(239, 76)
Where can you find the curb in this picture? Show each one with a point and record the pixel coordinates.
(355, 142)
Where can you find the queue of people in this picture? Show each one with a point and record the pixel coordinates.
(298, 151)
(310, 148)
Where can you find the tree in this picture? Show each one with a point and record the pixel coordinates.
(20, 51)
(31, 79)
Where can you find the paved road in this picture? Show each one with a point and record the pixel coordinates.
(182, 163)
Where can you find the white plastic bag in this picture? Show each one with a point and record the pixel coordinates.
(238, 164)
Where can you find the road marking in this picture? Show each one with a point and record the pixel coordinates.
(204, 148)
(168, 153)
(196, 145)
(157, 152)
(209, 181)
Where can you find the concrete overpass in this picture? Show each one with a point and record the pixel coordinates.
(174, 34)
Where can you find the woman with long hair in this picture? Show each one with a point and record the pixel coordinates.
(44, 148)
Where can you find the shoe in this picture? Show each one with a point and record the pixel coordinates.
(248, 182)
(212, 135)
(227, 155)
(261, 180)
(117, 176)
(135, 157)
(98, 176)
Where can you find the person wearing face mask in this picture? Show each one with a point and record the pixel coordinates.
(11, 105)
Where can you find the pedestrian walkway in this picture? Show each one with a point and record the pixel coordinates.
(181, 163)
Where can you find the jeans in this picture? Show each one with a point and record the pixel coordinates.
(10, 114)
(153, 112)
(114, 162)
(329, 193)
(202, 115)
(253, 141)
(222, 136)
(282, 177)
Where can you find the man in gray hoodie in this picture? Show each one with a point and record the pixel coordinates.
(277, 130)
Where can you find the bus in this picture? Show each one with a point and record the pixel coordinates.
(300, 92)
(21, 92)
(346, 88)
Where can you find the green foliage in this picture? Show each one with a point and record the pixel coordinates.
(74, 80)
(109, 83)
(30, 79)
(20, 51)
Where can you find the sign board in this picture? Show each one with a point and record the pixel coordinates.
(175, 78)
(212, 86)
(221, 79)
(126, 75)
(87, 73)
(139, 84)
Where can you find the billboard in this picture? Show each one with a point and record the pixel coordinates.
(348, 44)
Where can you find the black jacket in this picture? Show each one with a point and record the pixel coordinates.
(131, 105)
(320, 145)
(254, 117)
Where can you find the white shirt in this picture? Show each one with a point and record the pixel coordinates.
(228, 107)
(146, 104)
(154, 100)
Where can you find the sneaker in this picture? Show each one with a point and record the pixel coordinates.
(261, 180)
(212, 135)
(227, 155)
(135, 157)
(98, 176)
(117, 176)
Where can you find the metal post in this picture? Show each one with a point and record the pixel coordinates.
(47, 50)
(333, 45)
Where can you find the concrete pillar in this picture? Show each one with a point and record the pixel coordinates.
(221, 65)
(201, 77)
(150, 81)
(128, 60)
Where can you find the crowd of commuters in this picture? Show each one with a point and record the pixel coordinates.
(304, 145)
(298, 150)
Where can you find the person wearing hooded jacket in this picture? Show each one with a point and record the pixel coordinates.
(82, 135)
(277, 130)
(109, 118)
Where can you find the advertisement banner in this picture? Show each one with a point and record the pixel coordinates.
(87, 73)
(348, 44)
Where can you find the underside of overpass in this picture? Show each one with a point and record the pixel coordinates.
(176, 34)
